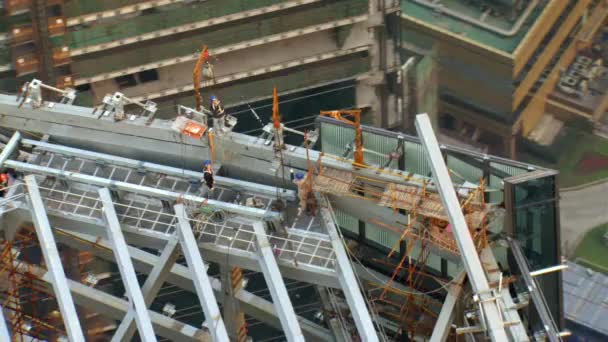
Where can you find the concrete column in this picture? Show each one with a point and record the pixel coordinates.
(375, 83)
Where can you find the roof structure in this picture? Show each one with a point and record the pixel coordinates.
(141, 214)
(586, 297)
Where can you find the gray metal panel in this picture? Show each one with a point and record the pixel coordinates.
(334, 138)
(460, 229)
(53, 262)
(125, 266)
(381, 144)
(463, 169)
(415, 159)
(204, 290)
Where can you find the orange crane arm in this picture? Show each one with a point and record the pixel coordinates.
(196, 76)
(355, 114)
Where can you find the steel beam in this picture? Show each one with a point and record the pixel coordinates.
(10, 147)
(4, 334)
(180, 276)
(116, 308)
(442, 327)
(53, 261)
(460, 229)
(204, 290)
(348, 281)
(150, 289)
(231, 183)
(125, 266)
(534, 290)
(275, 283)
(139, 189)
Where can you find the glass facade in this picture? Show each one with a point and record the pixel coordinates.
(528, 193)
(533, 221)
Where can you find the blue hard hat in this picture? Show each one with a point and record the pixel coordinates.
(213, 97)
(299, 175)
(207, 162)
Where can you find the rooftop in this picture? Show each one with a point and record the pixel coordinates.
(586, 297)
(420, 10)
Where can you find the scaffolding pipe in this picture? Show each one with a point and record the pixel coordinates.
(548, 270)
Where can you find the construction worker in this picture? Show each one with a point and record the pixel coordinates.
(217, 113)
(208, 174)
(4, 179)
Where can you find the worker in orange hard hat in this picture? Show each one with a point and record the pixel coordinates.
(4, 179)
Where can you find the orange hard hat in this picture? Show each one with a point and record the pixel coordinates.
(3, 178)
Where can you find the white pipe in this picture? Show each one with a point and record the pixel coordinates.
(548, 270)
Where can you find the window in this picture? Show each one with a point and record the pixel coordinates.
(148, 76)
(126, 81)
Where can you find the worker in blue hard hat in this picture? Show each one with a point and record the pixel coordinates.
(217, 113)
(208, 174)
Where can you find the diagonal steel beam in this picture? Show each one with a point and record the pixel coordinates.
(475, 271)
(442, 327)
(4, 334)
(154, 282)
(204, 290)
(275, 283)
(113, 307)
(53, 262)
(181, 277)
(348, 282)
(125, 266)
(10, 147)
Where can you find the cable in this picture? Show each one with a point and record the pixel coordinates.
(295, 99)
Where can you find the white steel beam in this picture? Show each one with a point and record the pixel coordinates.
(10, 147)
(53, 261)
(180, 276)
(204, 290)
(113, 307)
(460, 229)
(348, 282)
(154, 281)
(4, 334)
(231, 183)
(125, 266)
(139, 189)
(275, 283)
(442, 327)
